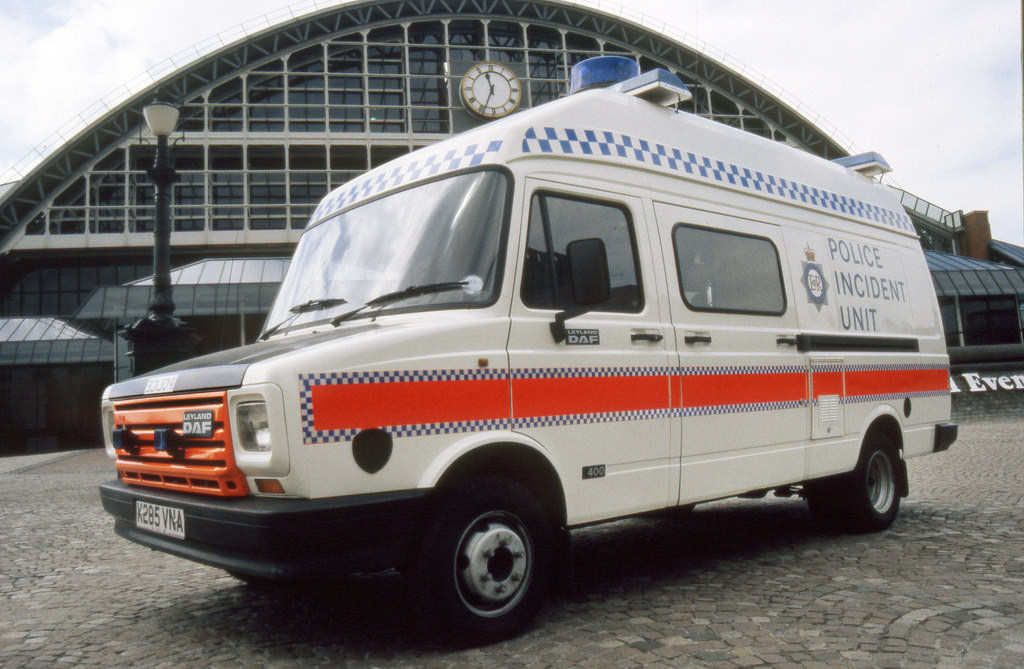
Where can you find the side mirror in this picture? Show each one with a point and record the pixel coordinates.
(588, 272)
(588, 276)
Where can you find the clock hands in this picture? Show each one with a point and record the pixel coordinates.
(487, 76)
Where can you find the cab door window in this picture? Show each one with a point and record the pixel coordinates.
(558, 220)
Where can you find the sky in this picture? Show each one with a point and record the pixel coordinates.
(932, 85)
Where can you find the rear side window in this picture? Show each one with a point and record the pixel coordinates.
(555, 222)
(726, 271)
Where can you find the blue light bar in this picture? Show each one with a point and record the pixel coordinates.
(601, 71)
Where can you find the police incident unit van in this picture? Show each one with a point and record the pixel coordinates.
(596, 308)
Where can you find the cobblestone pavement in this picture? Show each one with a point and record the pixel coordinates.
(735, 584)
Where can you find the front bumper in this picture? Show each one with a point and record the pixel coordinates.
(277, 538)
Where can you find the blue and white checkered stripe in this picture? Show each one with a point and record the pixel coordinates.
(401, 376)
(742, 369)
(894, 367)
(403, 172)
(588, 372)
(893, 397)
(313, 437)
(726, 409)
(591, 418)
(591, 142)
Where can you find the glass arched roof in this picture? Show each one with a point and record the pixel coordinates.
(273, 121)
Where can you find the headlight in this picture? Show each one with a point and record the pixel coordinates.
(108, 429)
(254, 426)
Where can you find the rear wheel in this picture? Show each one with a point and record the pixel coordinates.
(865, 500)
(484, 562)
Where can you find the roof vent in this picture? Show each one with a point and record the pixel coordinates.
(659, 86)
(870, 164)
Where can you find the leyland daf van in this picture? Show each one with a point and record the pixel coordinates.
(592, 309)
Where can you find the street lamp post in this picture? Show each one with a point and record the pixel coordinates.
(160, 339)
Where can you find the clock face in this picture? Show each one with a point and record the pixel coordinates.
(491, 90)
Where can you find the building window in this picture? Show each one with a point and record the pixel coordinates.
(990, 320)
(59, 291)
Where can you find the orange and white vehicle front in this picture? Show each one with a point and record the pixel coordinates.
(311, 451)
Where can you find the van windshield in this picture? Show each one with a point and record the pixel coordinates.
(436, 245)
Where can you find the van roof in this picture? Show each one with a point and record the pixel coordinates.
(618, 129)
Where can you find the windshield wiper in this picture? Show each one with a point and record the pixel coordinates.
(317, 304)
(306, 307)
(405, 293)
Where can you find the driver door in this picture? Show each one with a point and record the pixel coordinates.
(596, 397)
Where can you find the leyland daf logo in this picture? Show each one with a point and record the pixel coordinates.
(575, 337)
(814, 281)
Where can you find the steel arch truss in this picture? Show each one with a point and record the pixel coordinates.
(26, 200)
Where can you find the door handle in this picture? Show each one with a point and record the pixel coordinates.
(786, 340)
(653, 337)
(697, 338)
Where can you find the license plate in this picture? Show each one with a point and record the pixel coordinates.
(165, 520)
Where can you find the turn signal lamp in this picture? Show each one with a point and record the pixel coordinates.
(270, 486)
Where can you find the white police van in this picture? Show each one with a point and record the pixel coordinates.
(595, 308)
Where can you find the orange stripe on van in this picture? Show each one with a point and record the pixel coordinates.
(745, 388)
(358, 406)
(828, 383)
(336, 406)
(581, 395)
(872, 382)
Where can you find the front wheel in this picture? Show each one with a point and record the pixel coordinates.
(484, 562)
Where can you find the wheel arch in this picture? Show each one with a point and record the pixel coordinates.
(518, 462)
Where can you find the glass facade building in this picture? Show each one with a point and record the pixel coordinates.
(271, 123)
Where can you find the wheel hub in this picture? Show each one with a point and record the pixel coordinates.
(881, 483)
(494, 563)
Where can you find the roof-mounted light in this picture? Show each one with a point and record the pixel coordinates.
(658, 86)
(601, 71)
(622, 74)
(870, 164)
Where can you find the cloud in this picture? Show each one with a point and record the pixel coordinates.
(933, 85)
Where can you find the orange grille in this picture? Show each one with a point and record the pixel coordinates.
(194, 464)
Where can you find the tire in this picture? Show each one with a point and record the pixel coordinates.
(865, 500)
(876, 497)
(483, 564)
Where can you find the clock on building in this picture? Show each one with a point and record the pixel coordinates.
(491, 90)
